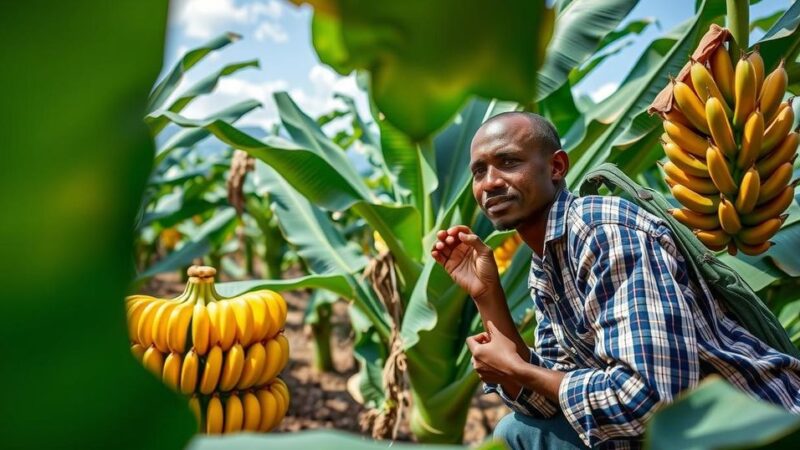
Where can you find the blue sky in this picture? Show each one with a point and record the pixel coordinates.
(278, 34)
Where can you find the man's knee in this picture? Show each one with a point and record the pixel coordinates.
(515, 428)
(520, 432)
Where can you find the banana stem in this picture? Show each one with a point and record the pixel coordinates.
(738, 21)
(321, 332)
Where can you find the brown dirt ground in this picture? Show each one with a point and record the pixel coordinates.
(321, 400)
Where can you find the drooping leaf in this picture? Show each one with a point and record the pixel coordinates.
(766, 22)
(630, 28)
(782, 40)
(333, 283)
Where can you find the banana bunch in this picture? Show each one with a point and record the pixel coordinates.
(169, 238)
(260, 409)
(505, 252)
(201, 344)
(731, 150)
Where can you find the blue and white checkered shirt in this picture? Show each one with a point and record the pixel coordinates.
(618, 312)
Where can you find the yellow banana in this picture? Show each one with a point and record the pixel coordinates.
(705, 87)
(284, 343)
(778, 128)
(274, 311)
(254, 364)
(178, 328)
(161, 324)
(201, 329)
(232, 370)
(195, 408)
(753, 250)
(138, 351)
(269, 409)
(770, 209)
(280, 407)
(273, 365)
(212, 370)
(720, 127)
(145, 326)
(772, 93)
(751, 140)
(284, 310)
(171, 373)
(252, 412)
(686, 138)
(213, 320)
(234, 414)
(134, 314)
(280, 386)
(728, 217)
(684, 160)
(697, 184)
(189, 372)
(694, 220)
(784, 152)
(675, 116)
(758, 68)
(260, 316)
(775, 183)
(760, 233)
(153, 360)
(720, 173)
(722, 69)
(748, 192)
(696, 202)
(715, 239)
(690, 105)
(214, 416)
(732, 250)
(745, 92)
(226, 324)
(244, 320)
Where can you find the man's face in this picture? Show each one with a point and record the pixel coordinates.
(512, 178)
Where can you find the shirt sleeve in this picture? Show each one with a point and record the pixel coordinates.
(643, 330)
(546, 353)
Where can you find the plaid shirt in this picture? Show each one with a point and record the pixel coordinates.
(618, 312)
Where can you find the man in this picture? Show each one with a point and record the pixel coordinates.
(621, 328)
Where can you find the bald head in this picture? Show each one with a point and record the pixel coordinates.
(527, 129)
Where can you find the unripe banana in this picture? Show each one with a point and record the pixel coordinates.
(269, 409)
(748, 192)
(686, 138)
(775, 183)
(685, 161)
(705, 86)
(252, 412)
(254, 364)
(178, 328)
(171, 373)
(758, 68)
(212, 370)
(753, 250)
(234, 415)
(189, 372)
(232, 370)
(196, 409)
(226, 324)
(779, 128)
(138, 351)
(760, 233)
(770, 209)
(153, 360)
(784, 152)
(690, 105)
(161, 325)
(772, 92)
(694, 201)
(201, 329)
(722, 68)
(214, 416)
(244, 320)
(697, 184)
(728, 217)
(745, 91)
(720, 127)
(720, 173)
(718, 239)
(694, 220)
(751, 140)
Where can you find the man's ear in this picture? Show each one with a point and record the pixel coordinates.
(560, 165)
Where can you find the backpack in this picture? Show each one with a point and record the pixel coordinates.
(725, 283)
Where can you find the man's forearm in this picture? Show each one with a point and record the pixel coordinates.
(538, 379)
(492, 307)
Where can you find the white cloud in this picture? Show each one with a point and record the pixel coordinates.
(204, 19)
(603, 91)
(271, 31)
(234, 90)
(324, 83)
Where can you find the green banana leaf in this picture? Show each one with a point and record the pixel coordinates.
(422, 71)
(334, 283)
(782, 40)
(716, 415)
(76, 158)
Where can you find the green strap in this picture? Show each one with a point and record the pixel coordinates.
(725, 283)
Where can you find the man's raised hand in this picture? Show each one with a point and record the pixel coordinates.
(467, 259)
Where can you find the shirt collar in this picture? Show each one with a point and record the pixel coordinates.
(557, 217)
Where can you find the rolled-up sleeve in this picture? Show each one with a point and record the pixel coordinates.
(643, 330)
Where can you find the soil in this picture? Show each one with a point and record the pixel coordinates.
(321, 400)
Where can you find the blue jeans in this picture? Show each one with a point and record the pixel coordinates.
(521, 432)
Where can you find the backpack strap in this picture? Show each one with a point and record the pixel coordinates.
(725, 283)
